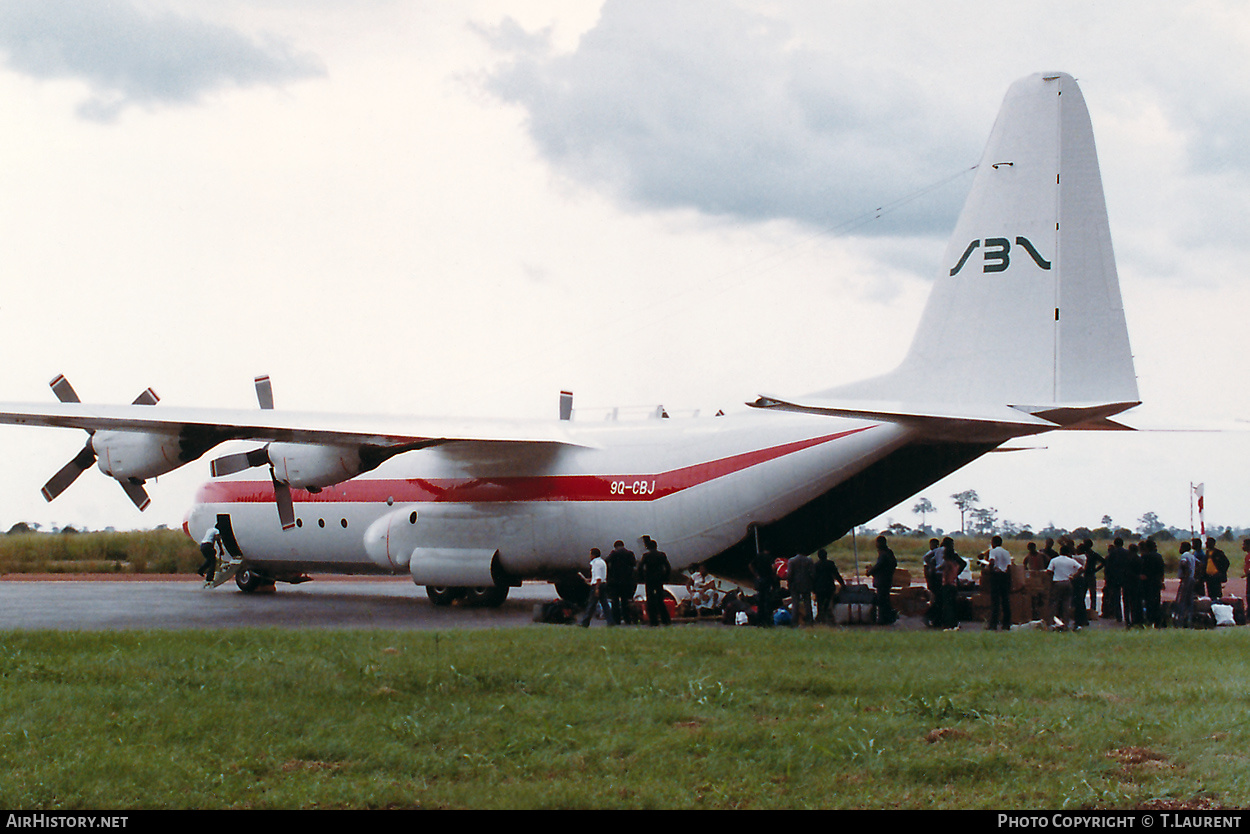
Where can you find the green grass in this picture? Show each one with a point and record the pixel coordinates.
(559, 717)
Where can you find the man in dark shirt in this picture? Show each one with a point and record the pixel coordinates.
(622, 583)
(1093, 563)
(933, 581)
(655, 570)
(828, 582)
(1201, 556)
(765, 588)
(1113, 571)
(1215, 571)
(1152, 571)
(882, 574)
(1131, 587)
(1049, 553)
(801, 574)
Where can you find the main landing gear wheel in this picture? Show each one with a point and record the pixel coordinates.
(250, 580)
(482, 596)
(443, 595)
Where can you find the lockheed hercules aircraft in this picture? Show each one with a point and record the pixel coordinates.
(1023, 333)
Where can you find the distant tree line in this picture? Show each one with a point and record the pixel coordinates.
(977, 520)
(22, 527)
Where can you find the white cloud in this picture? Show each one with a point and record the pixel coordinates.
(131, 56)
(718, 107)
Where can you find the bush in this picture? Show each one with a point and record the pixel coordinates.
(138, 551)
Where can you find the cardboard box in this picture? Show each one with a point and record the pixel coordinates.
(911, 601)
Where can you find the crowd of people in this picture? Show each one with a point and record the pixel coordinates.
(942, 569)
(1132, 589)
(799, 590)
(614, 583)
(785, 589)
(806, 581)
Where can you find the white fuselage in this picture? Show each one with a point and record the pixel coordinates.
(695, 485)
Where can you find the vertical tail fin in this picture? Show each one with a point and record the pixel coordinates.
(1026, 307)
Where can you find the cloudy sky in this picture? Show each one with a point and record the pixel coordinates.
(462, 208)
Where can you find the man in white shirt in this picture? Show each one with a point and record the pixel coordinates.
(1062, 569)
(1186, 570)
(209, 548)
(701, 588)
(598, 590)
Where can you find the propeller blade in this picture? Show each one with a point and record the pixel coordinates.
(264, 392)
(63, 390)
(69, 473)
(229, 464)
(148, 397)
(137, 494)
(286, 506)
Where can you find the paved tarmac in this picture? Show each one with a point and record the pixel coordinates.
(105, 603)
(332, 603)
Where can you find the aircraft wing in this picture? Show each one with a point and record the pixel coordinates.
(302, 450)
(279, 426)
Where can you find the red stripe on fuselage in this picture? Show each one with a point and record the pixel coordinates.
(514, 488)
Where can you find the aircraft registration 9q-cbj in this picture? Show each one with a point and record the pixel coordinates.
(1023, 333)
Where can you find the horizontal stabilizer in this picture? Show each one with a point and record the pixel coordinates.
(896, 412)
(946, 419)
(1083, 417)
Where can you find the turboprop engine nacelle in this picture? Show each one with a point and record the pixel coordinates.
(306, 466)
(136, 456)
(389, 541)
(405, 539)
(309, 466)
